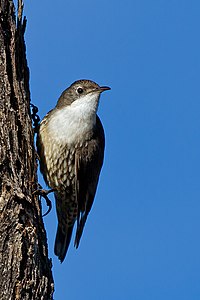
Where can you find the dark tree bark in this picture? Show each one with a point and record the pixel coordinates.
(25, 270)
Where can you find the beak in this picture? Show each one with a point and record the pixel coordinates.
(104, 88)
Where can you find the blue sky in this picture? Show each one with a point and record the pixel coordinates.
(142, 237)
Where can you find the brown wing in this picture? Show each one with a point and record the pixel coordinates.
(89, 160)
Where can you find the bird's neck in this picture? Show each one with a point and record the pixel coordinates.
(74, 123)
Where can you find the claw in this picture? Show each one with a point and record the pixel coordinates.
(44, 193)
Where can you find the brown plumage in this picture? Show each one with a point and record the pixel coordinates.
(71, 149)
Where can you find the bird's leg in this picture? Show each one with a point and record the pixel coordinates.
(44, 193)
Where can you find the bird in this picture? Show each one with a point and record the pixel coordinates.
(70, 145)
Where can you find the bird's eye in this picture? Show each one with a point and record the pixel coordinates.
(80, 90)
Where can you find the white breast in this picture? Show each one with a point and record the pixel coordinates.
(73, 122)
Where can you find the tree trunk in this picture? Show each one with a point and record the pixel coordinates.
(25, 270)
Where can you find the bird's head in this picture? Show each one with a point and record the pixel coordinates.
(80, 91)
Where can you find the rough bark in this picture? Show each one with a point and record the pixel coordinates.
(25, 270)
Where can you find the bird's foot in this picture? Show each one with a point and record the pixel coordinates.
(44, 193)
(35, 118)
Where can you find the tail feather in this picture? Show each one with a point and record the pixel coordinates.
(62, 242)
(79, 230)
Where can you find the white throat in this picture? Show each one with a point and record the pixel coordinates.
(72, 123)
